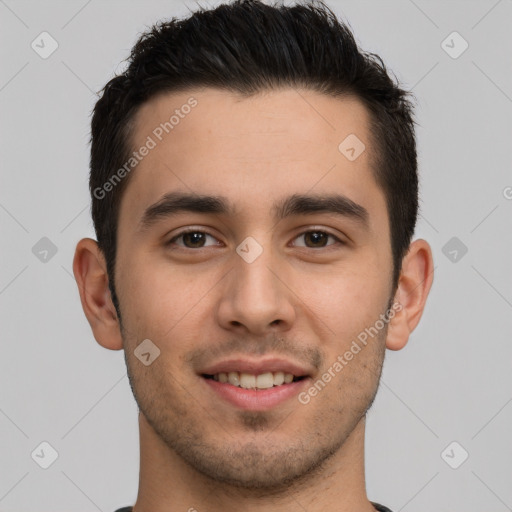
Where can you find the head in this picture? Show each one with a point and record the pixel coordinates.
(250, 106)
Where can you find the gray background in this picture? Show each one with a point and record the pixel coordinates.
(451, 383)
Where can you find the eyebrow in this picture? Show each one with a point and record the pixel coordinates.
(297, 204)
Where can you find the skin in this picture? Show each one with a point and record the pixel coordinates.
(300, 299)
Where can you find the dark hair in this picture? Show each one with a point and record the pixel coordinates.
(249, 47)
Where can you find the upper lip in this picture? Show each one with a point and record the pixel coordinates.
(256, 367)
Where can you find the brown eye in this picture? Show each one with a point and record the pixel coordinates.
(191, 239)
(194, 239)
(316, 239)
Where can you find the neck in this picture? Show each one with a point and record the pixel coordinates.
(166, 483)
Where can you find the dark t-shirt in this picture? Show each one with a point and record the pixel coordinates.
(379, 508)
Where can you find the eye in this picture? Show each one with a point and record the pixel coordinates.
(196, 239)
(317, 239)
(192, 239)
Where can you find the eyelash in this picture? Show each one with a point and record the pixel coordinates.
(192, 230)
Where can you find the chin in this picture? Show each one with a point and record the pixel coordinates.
(261, 468)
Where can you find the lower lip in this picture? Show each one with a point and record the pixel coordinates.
(256, 400)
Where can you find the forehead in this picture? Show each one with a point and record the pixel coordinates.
(274, 143)
(237, 121)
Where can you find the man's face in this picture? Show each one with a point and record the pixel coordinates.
(291, 299)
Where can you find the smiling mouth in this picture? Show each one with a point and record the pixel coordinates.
(250, 381)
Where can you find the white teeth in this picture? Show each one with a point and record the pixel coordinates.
(264, 381)
(249, 381)
(234, 378)
(278, 378)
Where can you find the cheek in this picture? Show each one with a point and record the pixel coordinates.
(347, 302)
(156, 296)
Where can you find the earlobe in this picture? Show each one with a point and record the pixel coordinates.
(413, 288)
(91, 276)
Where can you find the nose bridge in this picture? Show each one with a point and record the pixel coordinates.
(255, 295)
(253, 269)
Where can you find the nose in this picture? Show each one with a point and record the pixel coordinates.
(256, 297)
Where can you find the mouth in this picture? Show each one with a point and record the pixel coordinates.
(255, 385)
(262, 381)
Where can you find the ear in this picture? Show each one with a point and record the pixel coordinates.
(414, 285)
(90, 271)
